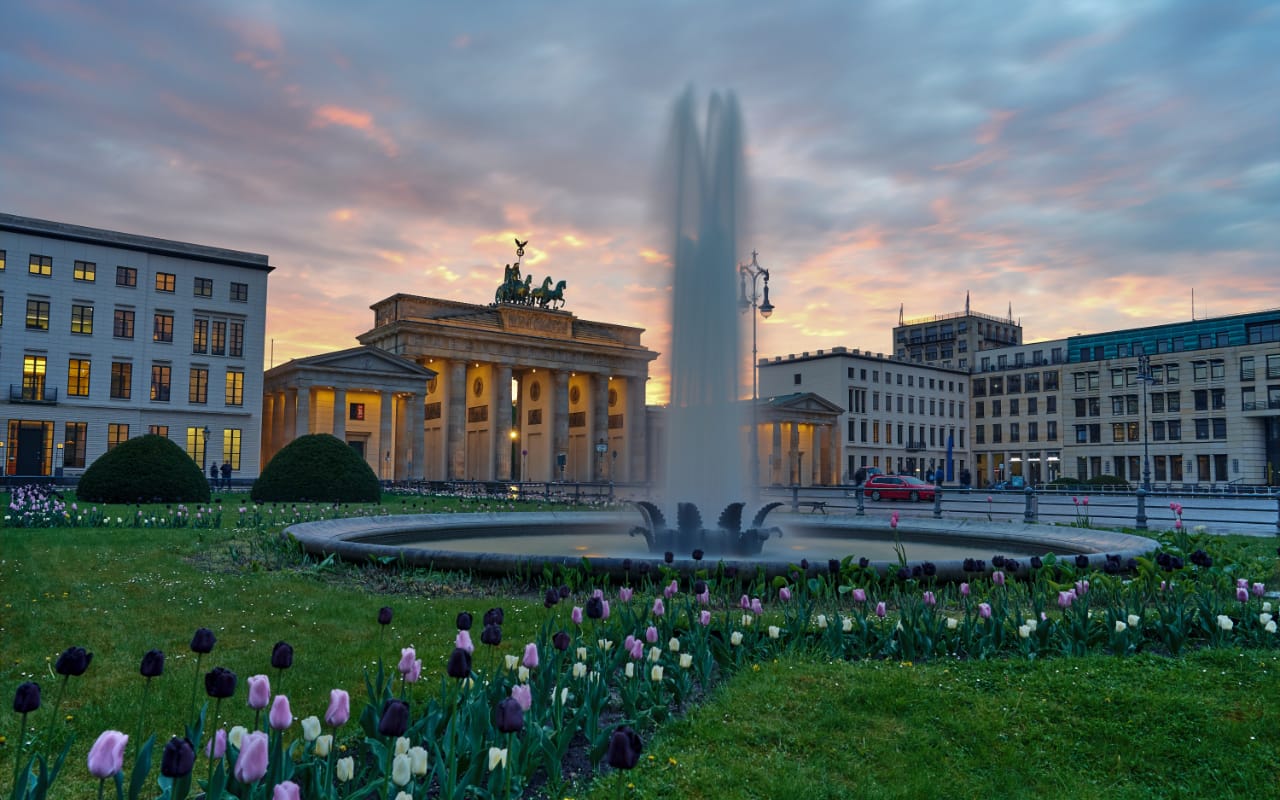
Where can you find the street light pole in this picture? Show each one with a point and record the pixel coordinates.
(204, 451)
(1144, 375)
(755, 301)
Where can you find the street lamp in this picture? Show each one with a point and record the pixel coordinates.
(602, 447)
(751, 303)
(1144, 375)
(204, 451)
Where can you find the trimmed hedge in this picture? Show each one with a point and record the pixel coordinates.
(317, 468)
(145, 469)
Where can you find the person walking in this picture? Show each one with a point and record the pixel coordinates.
(226, 476)
(213, 476)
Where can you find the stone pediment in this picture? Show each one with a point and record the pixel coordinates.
(804, 402)
(364, 360)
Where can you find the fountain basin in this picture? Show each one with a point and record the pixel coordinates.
(522, 543)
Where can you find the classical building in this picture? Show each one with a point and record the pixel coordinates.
(124, 335)
(955, 339)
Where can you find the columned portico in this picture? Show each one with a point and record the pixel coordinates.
(810, 456)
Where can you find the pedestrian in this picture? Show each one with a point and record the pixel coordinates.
(213, 476)
(226, 476)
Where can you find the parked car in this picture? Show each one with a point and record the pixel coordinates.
(897, 487)
(1016, 483)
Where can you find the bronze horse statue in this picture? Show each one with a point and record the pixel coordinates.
(545, 295)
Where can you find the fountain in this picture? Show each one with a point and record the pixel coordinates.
(727, 539)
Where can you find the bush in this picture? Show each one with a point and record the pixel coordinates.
(318, 468)
(146, 469)
(1106, 480)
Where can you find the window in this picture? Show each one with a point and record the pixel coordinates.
(33, 374)
(126, 276)
(1200, 371)
(74, 436)
(1175, 430)
(1051, 431)
(979, 435)
(1117, 431)
(1217, 369)
(1033, 406)
(121, 380)
(78, 377)
(1219, 427)
(204, 287)
(1201, 397)
(996, 434)
(1157, 431)
(231, 446)
(196, 440)
(240, 292)
(122, 328)
(1051, 379)
(1013, 432)
(198, 391)
(218, 341)
(82, 319)
(995, 408)
(1033, 432)
(158, 430)
(2, 259)
(38, 315)
(1013, 384)
(1051, 405)
(996, 386)
(40, 265)
(85, 271)
(1173, 401)
(1, 309)
(1031, 381)
(980, 387)
(979, 410)
(1246, 368)
(200, 336)
(160, 382)
(1202, 428)
(235, 388)
(166, 282)
(1132, 428)
(1218, 399)
(235, 345)
(116, 433)
(163, 329)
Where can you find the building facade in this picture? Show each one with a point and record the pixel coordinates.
(124, 335)
(955, 339)
(1016, 413)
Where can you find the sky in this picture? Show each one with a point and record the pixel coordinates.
(1089, 165)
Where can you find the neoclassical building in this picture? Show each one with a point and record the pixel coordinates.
(446, 390)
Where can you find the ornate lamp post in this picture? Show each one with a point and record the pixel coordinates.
(1145, 376)
(602, 447)
(751, 303)
(204, 450)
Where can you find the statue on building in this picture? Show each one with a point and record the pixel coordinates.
(519, 290)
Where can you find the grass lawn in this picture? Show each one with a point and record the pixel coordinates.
(1147, 726)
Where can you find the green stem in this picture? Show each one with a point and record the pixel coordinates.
(17, 751)
(192, 707)
(386, 779)
(57, 706)
(142, 712)
(213, 739)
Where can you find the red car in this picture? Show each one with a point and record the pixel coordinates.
(897, 487)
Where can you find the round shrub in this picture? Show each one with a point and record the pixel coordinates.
(318, 468)
(145, 469)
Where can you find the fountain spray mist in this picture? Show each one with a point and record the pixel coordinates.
(706, 421)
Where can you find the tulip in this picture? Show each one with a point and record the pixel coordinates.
(73, 662)
(576, 615)
(668, 556)
(339, 708)
(418, 761)
(280, 716)
(560, 641)
(756, 606)
(654, 654)
(704, 617)
(203, 640)
(747, 620)
(929, 599)
(1121, 627)
(401, 770)
(497, 758)
(217, 746)
(1134, 619)
(254, 756)
(658, 608)
(1270, 627)
(1082, 562)
(582, 654)
(952, 623)
(604, 609)
(522, 695)
(407, 655)
(821, 622)
(595, 607)
(673, 644)
(846, 624)
(522, 674)
(629, 669)
(1225, 623)
(220, 683)
(655, 674)
(1082, 588)
(636, 650)
(237, 733)
(463, 640)
(550, 598)
(106, 757)
(997, 578)
(401, 746)
(984, 610)
(735, 638)
(152, 664)
(259, 691)
(531, 655)
(744, 602)
(493, 616)
(288, 790)
(1024, 631)
(1258, 589)
(859, 595)
(625, 594)
(784, 594)
(881, 610)
(415, 672)
(686, 661)
(459, 664)
(311, 728)
(324, 744)
(178, 758)
(670, 590)
(27, 698)
(651, 634)
(464, 621)
(395, 718)
(579, 669)
(491, 635)
(345, 769)
(509, 716)
(774, 631)
(384, 615)
(282, 655)
(624, 748)
(1065, 599)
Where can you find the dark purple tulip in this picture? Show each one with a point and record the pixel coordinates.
(73, 661)
(560, 641)
(1082, 561)
(833, 566)
(152, 664)
(929, 568)
(178, 758)
(997, 561)
(565, 591)
(509, 717)
(804, 564)
(864, 562)
(27, 698)
(220, 683)
(595, 607)
(699, 587)
(904, 573)
(395, 718)
(459, 664)
(624, 748)
(967, 565)
(1175, 563)
(493, 616)
(1036, 563)
(203, 640)
(668, 556)
(697, 555)
(464, 621)
(491, 635)
(282, 655)
(384, 615)
(979, 565)
(551, 598)
(1011, 564)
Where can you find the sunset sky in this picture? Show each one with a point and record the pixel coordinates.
(1089, 163)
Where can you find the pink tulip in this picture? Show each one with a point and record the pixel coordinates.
(259, 692)
(339, 708)
(784, 594)
(523, 695)
(997, 578)
(658, 608)
(744, 602)
(705, 617)
(1242, 583)
(1065, 599)
(984, 610)
(929, 599)
(881, 610)
(415, 672)
(217, 746)
(106, 757)
(859, 595)
(1082, 588)
(671, 589)
(286, 791)
(624, 594)
(1085, 501)
(531, 655)
(1076, 500)
(252, 763)
(637, 650)
(756, 606)
(964, 590)
(651, 635)
(407, 655)
(1242, 594)
(598, 593)
(1177, 524)
(604, 609)
(703, 599)
(280, 716)
(1258, 589)
(576, 615)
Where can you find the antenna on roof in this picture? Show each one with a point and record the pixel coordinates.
(1011, 311)
(1193, 302)
(966, 303)
(900, 313)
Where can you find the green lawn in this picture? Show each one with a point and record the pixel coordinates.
(1146, 726)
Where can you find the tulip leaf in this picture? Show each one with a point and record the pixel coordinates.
(119, 776)
(141, 766)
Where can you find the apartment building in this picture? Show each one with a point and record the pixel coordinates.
(955, 339)
(123, 335)
(1016, 413)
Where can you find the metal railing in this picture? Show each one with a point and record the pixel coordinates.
(24, 393)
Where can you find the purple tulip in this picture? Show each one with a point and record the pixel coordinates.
(464, 621)
(668, 556)
(384, 615)
(395, 718)
(595, 607)
(624, 749)
(704, 618)
(598, 593)
(1082, 588)
(565, 591)
(203, 640)
(576, 615)
(339, 708)
(784, 594)
(493, 616)
(217, 746)
(1242, 594)
(964, 590)
(881, 610)
(282, 655)
(624, 594)
(259, 692)
(744, 603)
(703, 598)
(220, 683)
(531, 655)
(415, 671)
(73, 662)
(604, 609)
(550, 598)
(491, 635)
(658, 608)
(984, 610)
(459, 665)
(1258, 589)
(288, 790)
(859, 595)
(671, 589)
(27, 698)
(178, 758)
(1065, 599)
(463, 641)
(152, 664)
(106, 757)
(280, 716)
(560, 641)
(636, 650)
(407, 656)
(997, 578)
(929, 599)
(651, 635)
(522, 695)
(252, 763)
(756, 606)
(509, 716)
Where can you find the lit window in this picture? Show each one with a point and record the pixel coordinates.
(126, 276)
(204, 287)
(199, 386)
(38, 315)
(85, 271)
(235, 388)
(123, 326)
(116, 433)
(82, 319)
(121, 380)
(166, 282)
(40, 265)
(78, 377)
(163, 330)
(160, 382)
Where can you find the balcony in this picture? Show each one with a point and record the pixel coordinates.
(914, 447)
(1261, 408)
(23, 393)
